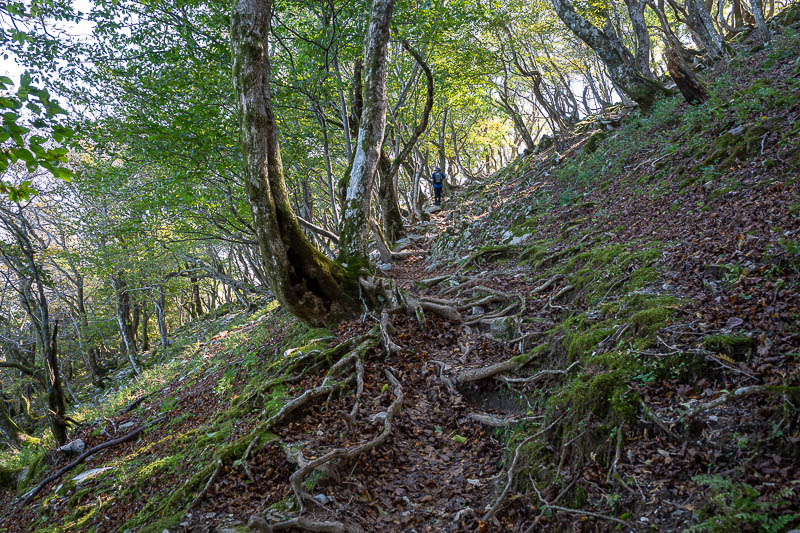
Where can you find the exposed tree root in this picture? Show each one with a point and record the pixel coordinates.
(496, 250)
(344, 455)
(462, 286)
(498, 422)
(657, 420)
(444, 311)
(245, 466)
(514, 468)
(742, 392)
(580, 511)
(538, 375)
(211, 479)
(328, 386)
(436, 280)
(260, 524)
(386, 334)
(330, 462)
(617, 454)
(561, 494)
(547, 284)
(476, 374)
(562, 292)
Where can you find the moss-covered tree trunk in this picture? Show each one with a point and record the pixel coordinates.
(619, 61)
(56, 403)
(123, 313)
(393, 228)
(160, 304)
(354, 237)
(92, 354)
(307, 283)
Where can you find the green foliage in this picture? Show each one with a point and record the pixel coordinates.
(27, 133)
(735, 506)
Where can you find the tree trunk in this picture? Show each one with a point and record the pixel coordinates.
(94, 368)
(393, 228)
(160, 304)
(57, 407)
(307, 283)
(699, 20)
(354, 239)
(758, 14)
(618, 60)
(145, 323)
(642, 57)
(122, 322)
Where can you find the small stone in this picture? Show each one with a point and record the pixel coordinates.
(77, 446)
(738, 130)
(321, 499)
(127, 425)
(478, 310)
(385, 267)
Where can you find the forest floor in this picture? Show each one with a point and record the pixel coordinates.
(606, 337)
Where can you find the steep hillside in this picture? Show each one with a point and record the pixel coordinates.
(603, 336)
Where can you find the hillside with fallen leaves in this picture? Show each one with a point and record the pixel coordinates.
(603, 336)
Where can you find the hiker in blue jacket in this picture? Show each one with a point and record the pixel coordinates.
(438, 183)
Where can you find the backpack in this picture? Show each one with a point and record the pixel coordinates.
(438, 178)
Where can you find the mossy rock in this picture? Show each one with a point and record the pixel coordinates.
(584, 343)
(593, 141)
(738, 347)
(730, 147)
(649, 321)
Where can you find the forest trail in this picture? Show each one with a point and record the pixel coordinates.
(602, 335)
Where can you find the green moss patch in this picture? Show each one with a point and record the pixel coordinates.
(738, 347)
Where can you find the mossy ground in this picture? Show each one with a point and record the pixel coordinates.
(208, 390)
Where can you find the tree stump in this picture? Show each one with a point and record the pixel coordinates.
(693, 91)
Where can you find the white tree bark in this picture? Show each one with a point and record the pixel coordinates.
(354, 239)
